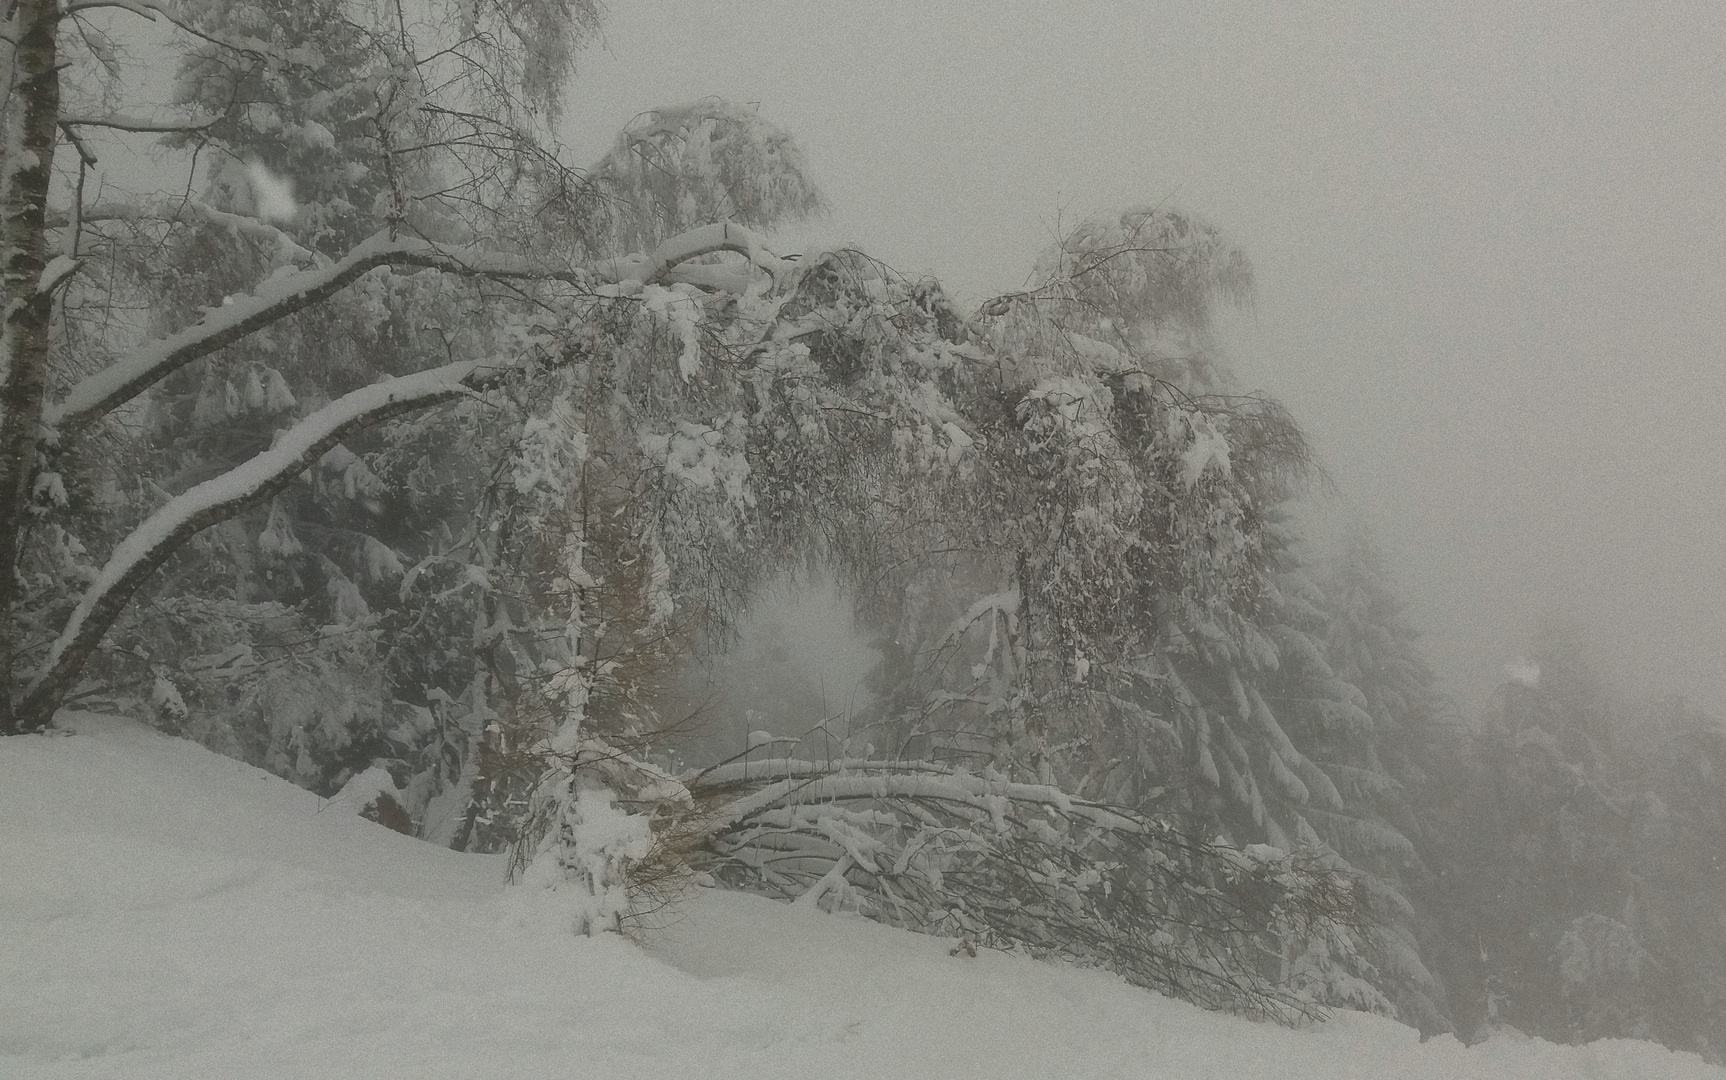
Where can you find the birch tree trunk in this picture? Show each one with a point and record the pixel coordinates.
(31, 130)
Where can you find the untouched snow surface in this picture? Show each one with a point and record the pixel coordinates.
(165, 912)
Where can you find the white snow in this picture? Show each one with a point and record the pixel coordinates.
(168, 913)
(58, 269)
(659, 266)
(682, 313)
(362, 790)
(1208, 447)
(244, 480)
(273, 194)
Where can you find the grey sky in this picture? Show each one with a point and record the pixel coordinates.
(1490, 239)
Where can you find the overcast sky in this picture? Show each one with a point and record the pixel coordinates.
(1490, 241)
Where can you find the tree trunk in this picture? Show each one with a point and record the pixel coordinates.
(31, 130)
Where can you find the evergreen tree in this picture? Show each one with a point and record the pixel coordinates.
(1546, 874)
(1393, 772)
(1679, 837)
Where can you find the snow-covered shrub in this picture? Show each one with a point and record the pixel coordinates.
(587, 852)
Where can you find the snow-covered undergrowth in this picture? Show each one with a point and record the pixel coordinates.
(165, 912)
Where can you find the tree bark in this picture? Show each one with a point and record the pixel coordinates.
(31, 131)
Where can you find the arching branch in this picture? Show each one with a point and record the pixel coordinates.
(282, 295)
(290, 291)
(221, 498)
(667, 257)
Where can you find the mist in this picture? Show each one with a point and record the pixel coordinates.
(794, 666)
(652, 543)
(1488, 245)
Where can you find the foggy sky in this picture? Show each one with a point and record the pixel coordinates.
(1490, 242)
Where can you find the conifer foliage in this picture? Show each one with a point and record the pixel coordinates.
(1584, 861)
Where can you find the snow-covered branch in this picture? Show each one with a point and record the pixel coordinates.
(56, 272)
(763, 770)
(144, 8)
(818, 782)
(1006, 864)
(659, 266)
(282, 295)
(180, 211)
(292, 290)
(137, 125)
(224, 496)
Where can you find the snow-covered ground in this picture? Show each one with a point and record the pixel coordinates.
(165, 912)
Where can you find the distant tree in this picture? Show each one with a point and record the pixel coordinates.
(1585, 864)
(1679, 829)
(1543, 878)
(1392, 771)
(678, 168)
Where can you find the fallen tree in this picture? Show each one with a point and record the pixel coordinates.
(1000, 864)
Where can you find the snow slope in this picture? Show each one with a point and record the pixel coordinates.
(165, 912)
